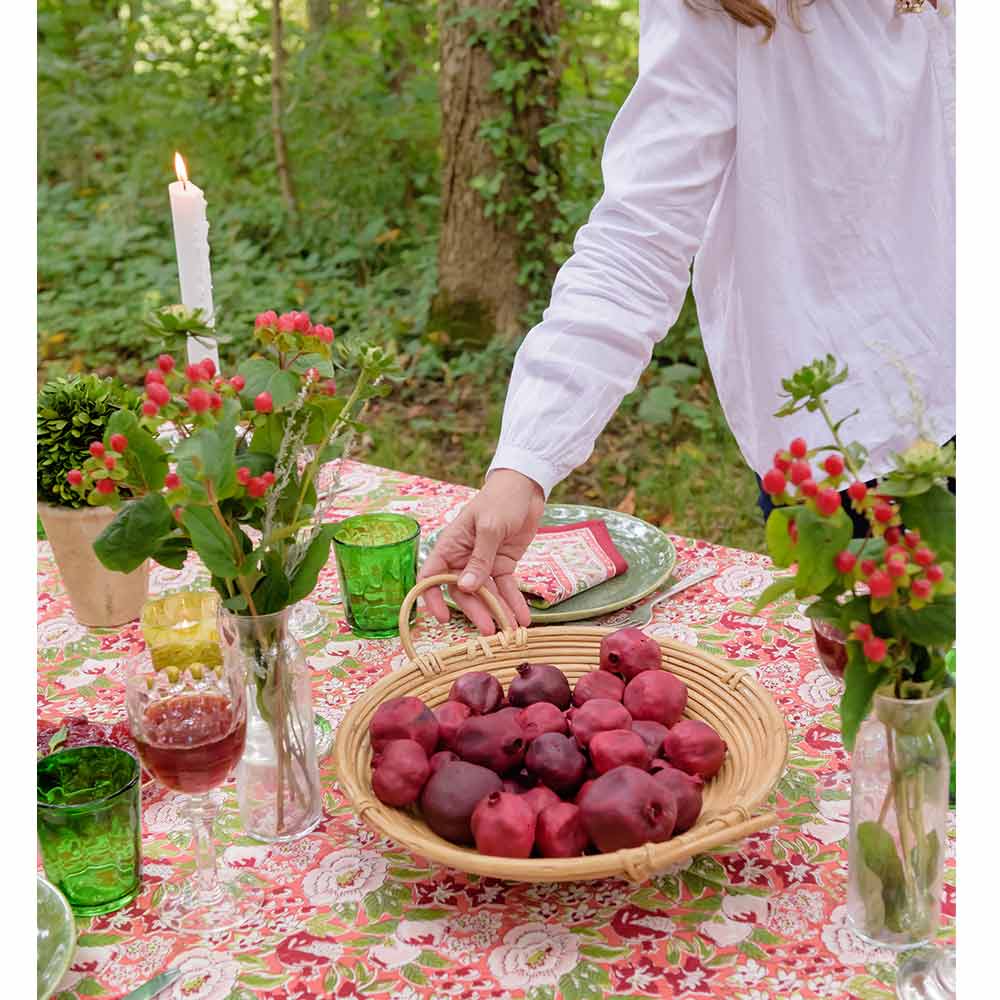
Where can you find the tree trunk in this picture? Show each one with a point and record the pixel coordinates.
(319, 14)
(488, 236)
(277, 103)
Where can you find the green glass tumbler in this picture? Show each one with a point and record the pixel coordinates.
(89, 826)
(377, 564)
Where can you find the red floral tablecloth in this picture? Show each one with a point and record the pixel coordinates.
(349, 914)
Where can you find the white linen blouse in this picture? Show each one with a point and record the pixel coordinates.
(811, 179)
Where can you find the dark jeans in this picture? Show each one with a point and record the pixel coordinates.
(859, 521)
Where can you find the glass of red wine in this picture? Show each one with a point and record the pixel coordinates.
(188, 720)
(831, 645)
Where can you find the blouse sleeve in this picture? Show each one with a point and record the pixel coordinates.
(621, 290)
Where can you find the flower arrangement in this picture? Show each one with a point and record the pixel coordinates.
(228, 467)
(72, 412)
(892, 594)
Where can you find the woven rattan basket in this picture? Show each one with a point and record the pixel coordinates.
(722, 694)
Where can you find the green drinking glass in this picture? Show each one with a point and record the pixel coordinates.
(89, 826)
(377, 564)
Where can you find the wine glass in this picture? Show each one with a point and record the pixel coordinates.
(188, 720)
(831, 645)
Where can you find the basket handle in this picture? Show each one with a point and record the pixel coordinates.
(496, 609)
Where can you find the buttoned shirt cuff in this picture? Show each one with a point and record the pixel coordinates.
(528, 464)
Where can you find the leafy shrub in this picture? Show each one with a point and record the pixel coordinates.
(72, 412)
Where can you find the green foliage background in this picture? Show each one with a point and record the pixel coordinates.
(121, 86)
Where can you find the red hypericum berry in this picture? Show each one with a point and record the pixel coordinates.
(875, 649)
(923, 556)
(844, 561)
(302, 322)
(868, 566)
(330, 387)
(215, 401)
(912, 539)
(798, 448)
(862, 631)
(74, 477)
(828, 501)
(218, 382)
(268, 477)
(880, 583)
(118, 442)
(921, 588)
(896, 567)
(208, 367)
(896, 552)
(149, 408)
(172, 481)
(105, 486)
(165, 363)
(199, 400)
(153, 375)
(269, 318)
(934, 573)
(312, 374)
(883, 513)
(892, 535)
(809, 487)
(263, 403)
(857, 491)
(325, 334)
(243, 475)
(799, 472)
(159, 394)
(194, 373)
(834, 465)
(96, 449)
(256, 487)
(109, 462)
(238, 382)
(781, 461)
(286, 322)
(774, 481)
(178, 513)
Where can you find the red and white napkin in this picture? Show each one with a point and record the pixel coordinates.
(565, 560)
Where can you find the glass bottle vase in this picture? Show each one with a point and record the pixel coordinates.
(899, 823)
(277, 779)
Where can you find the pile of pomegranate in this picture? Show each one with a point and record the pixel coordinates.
(549, 770)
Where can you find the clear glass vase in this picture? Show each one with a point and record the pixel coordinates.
(899, 816)
(277, 779)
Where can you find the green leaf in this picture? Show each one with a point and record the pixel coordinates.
(271, 593)
(659, 405)
(257, 373)
(933, 515)
(927, 859)
(932, 625)
(172, 553)
(820, 539)
(779, 588)
(135, 533)
(315, 559)
(860, 685)
(207, 459)
(212, 542)
(779, 542)
(143, 455)
(879, 857)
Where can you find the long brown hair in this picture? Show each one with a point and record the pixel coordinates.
(753, 13)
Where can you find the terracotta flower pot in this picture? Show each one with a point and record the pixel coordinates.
(101, 598)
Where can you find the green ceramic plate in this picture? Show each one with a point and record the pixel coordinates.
(647, 550)
(56, 937)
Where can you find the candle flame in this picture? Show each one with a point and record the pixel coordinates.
(181, 167)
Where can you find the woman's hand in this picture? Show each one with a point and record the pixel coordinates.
(483, 545)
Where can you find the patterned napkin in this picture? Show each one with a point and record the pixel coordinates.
(565, 560)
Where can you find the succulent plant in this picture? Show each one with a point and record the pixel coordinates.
(73, 412)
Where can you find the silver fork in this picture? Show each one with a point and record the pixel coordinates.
(643, 614)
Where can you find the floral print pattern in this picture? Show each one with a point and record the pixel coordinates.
(345, 913)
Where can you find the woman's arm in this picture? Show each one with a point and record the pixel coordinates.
(622, 289)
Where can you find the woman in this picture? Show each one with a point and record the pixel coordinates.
(803, 157)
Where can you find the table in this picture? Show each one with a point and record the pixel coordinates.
(349, 914)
